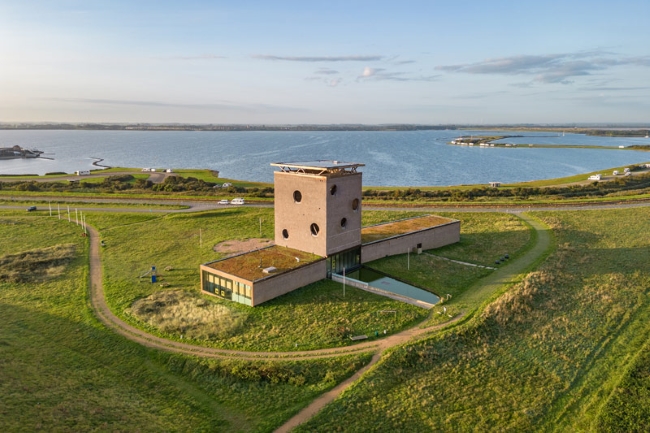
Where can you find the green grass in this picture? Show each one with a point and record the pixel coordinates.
(63, 371)
(316, 316)
(486, 237)
(43, 206)
(549, 354)
(628, 408)
(208, 176)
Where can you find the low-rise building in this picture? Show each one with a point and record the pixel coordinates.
(318, 233)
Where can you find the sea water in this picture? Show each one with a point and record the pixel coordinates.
(400, 158)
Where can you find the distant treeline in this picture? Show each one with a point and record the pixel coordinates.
(622, 185)
(627, 184)
(618, 132)
(126, 182)
(199, 127)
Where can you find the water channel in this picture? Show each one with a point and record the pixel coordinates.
(381, 282)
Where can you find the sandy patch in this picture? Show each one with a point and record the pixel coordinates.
(235, 247)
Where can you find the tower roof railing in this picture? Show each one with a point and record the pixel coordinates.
(318, 167)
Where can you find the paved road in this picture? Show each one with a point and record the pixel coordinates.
(85, 204)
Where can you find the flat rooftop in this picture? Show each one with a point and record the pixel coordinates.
(401, 227)
(250, 266)
(318, 166)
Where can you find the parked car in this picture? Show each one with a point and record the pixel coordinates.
(237, 200)
(223, 202)
(31, 209)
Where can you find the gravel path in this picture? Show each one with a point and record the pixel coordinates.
(106, 316)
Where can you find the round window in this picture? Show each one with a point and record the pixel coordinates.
(344, 222)
(285, 234)
(297, 196)
(333, 190)
(355, 204)
(314, 229)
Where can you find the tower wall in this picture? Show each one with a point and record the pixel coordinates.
(314, 213)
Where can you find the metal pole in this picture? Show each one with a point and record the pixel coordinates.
(50, 208)
(260, 227)
(69, 214)
(76, 216)
(344, 282)
(200, 238)
(58, 208)
(408, 259)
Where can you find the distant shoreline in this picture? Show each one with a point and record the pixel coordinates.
(611, 130)
(234, 127)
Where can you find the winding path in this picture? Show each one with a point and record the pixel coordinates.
(377, 348)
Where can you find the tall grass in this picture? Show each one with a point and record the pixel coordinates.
(545, 356)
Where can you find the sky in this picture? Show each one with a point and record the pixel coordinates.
(353, 61)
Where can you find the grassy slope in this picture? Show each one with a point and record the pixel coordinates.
(547, 355)
(62, 371)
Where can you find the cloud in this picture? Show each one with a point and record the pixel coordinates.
(199, 57)
(320, 58)
(613, 89)
(326, 71)
(546, 69)
(330, 82)
(380, 74)
(370, 72)
(221, 105)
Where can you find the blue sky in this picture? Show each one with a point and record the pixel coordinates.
(275, 62)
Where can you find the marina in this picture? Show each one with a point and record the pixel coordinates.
(17, 152)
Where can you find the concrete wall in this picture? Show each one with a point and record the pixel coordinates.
(317, 206)
(372, 289)
(434, 237)
(277, 285)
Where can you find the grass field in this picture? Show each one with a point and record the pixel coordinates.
(315, 316)
(63, 371)
(562, 350)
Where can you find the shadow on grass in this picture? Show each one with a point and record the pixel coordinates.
(65, 374)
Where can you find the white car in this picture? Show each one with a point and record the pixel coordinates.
(223, 202)
(238, 200)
